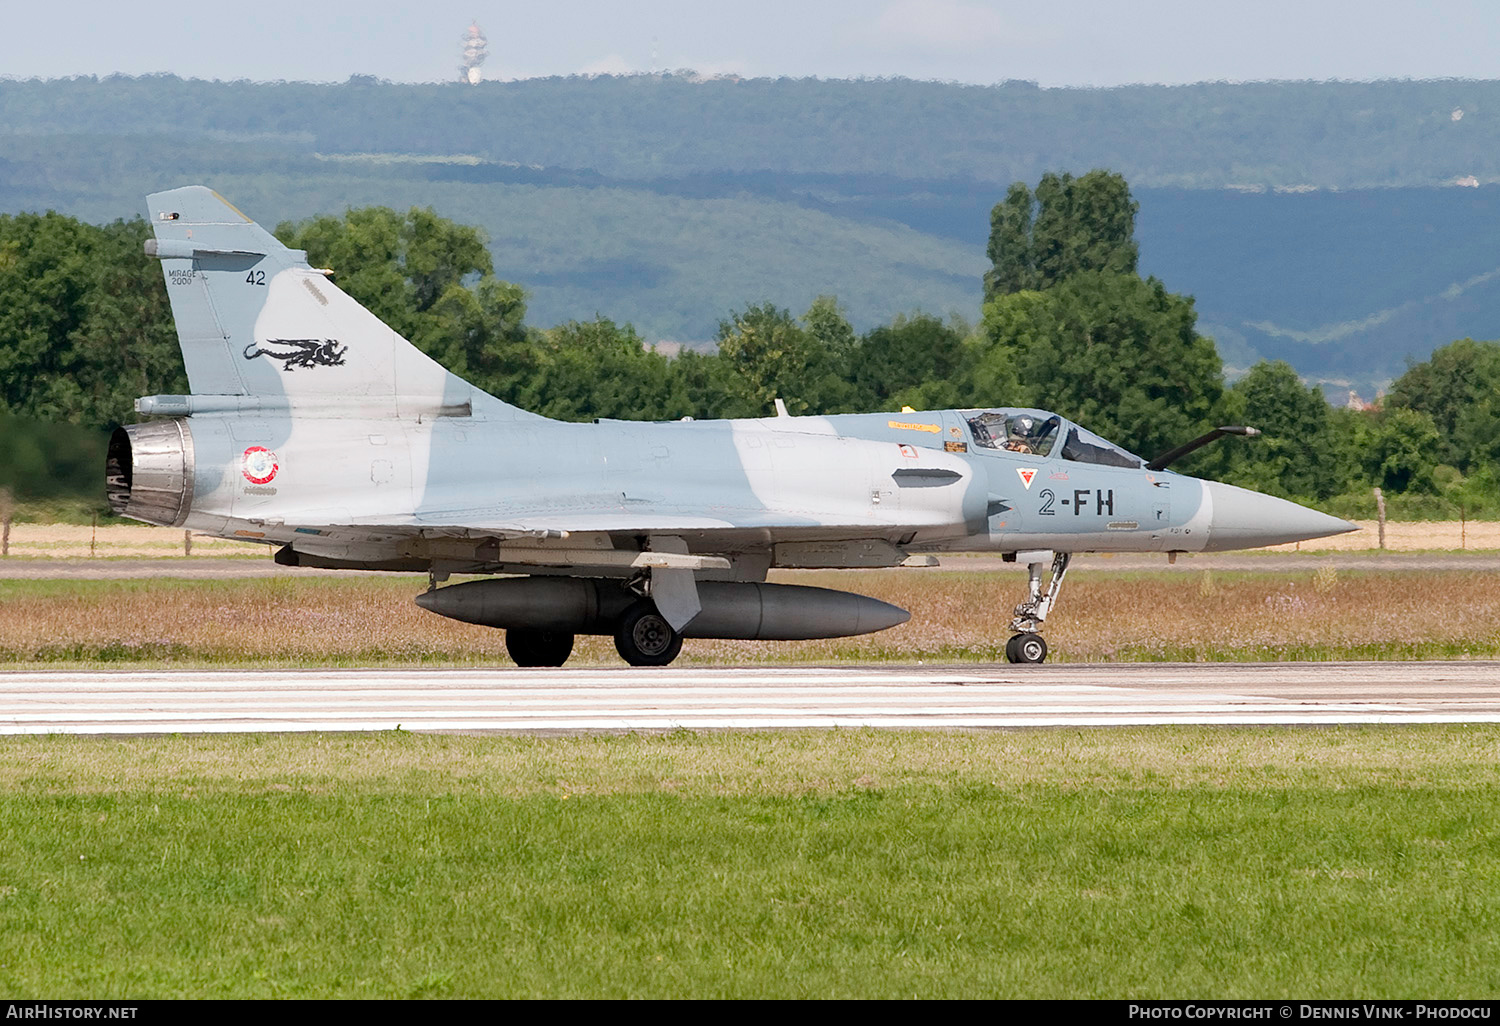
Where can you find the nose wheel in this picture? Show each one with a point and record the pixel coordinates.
(1027, 646)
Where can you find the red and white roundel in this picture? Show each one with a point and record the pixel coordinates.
(259, 465)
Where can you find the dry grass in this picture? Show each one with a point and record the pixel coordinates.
(1104, 616)
(72, 541)
(1423, 536)
(1211, 615)
(67, 541)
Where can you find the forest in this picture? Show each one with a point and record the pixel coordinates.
(1209, 135)
(1068, 324)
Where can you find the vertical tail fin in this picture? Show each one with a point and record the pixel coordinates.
(253, 319)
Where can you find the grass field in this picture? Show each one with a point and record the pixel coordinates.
(1164, 862)
(956, 616)
(1172, 862)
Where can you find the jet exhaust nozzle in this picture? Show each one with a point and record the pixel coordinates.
(148, 472)
(739, 611)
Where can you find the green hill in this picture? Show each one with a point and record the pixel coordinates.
(668, 202)
(1214, 135)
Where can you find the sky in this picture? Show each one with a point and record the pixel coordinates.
(1056, 43)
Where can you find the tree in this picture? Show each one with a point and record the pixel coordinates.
(768, 356)
(1069, 325)
(431, 280)
(1069, 226)
(703, 383)
(1297, 455)
(399, 266)
(44, 270)
(590, 369)
(41, 460)
(836, 353)
(830, 329)
(479, 333)
(84, 321)
(1459, 388)
(1117, 353)
(1012, 264)
(1396, 448)
(898, 359)
(127, 344)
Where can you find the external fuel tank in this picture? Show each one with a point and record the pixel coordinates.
(744, 611)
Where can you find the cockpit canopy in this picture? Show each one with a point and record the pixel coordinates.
(1016, 431)
(1036, 433)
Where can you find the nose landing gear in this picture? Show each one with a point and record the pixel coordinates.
(1026, 648)
(1027, 645)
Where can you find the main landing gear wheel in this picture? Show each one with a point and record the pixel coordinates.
(1026, 648)
(538, 648)
(644, 638)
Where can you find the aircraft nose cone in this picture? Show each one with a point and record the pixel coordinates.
(1242, 519)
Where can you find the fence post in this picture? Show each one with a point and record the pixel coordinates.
(94, 536)
(5, 518)
(187, 543)
(1380, 512)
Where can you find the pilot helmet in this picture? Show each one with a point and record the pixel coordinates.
(1024, 425)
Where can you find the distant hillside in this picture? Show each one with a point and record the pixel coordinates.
(672, 264)
(1332, 135)
(1344, 286)
(668, 203)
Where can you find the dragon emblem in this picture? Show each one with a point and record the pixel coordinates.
(300, 352)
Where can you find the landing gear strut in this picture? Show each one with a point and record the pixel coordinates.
(1027, 645)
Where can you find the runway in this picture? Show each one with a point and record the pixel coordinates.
(571, 701)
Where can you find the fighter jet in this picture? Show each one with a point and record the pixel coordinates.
(313, 426)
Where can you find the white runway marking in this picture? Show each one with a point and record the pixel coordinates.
(200, 701)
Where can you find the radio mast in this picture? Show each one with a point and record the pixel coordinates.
(475, 49)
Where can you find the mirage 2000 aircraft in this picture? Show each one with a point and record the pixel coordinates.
(313, 426)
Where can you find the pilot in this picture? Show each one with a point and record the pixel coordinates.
(1022, 431)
